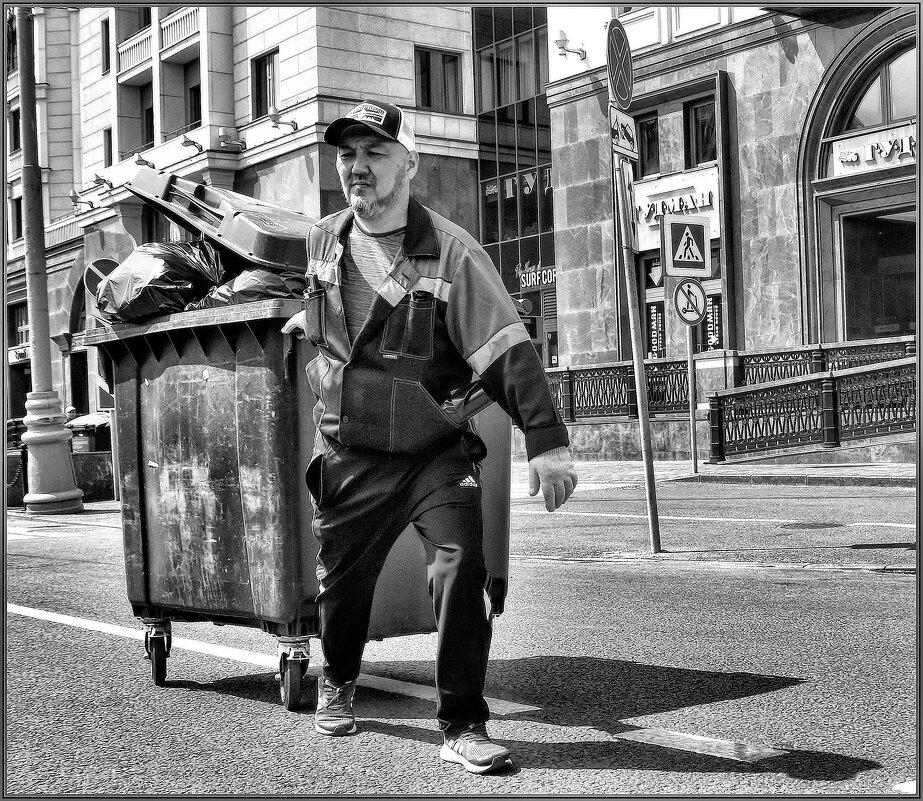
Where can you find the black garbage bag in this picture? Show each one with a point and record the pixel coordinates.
(158, 278)
(254, 284)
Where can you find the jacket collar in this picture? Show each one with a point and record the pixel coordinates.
(419, 237)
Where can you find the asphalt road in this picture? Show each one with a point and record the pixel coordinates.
(758, 655)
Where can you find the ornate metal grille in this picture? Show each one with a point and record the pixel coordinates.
(601, 391)
(761, 368)
(772, 418)
(845, 356)
(559, 384)
(667, 386)
(882, 402)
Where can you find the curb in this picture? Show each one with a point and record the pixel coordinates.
(630, 557)
(803, 480)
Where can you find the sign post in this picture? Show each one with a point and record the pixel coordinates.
(691, 304)
(624, 143)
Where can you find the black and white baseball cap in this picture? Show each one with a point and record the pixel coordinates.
(385, 119)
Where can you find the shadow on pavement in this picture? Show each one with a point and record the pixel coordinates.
(578, 692)
(629, 755)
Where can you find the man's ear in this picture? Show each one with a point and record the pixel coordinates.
(413, 161)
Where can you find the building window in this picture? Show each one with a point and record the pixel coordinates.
(438, 79)
(11, 65)
(265, 79)
(648, 146)
(107, 147)
(701, 133)
(16, 228)
(104, 45)
(15, 142)
(153, 225)
(890, 95)
(194, 105)
(17, 329)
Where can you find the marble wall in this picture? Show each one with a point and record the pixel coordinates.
(770, 87)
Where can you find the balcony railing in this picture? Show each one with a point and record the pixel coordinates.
(762, 366)
(822, 408)
(178, 26)
(135, 50)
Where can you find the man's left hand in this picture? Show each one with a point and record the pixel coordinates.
(553, 472)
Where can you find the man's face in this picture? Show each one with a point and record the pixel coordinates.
(374, 172)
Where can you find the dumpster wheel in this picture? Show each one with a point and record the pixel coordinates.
(157, 641)
(292, 682)
(158, 657)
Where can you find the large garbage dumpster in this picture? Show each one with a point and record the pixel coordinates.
(214, 434)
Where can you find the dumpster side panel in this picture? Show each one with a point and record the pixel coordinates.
(267, 430)
(126, 372)
(192, 482)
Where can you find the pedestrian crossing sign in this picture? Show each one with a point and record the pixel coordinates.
(685, 246)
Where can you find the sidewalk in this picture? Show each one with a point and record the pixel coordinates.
(895, 474)
(762, 544)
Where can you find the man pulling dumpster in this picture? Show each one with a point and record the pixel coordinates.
(415, 334)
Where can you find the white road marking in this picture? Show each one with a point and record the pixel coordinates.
(497, 705)
(520, 489)
(23, 533)
(568, 512)
(725, 749)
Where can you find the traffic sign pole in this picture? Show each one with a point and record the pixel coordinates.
(622, 211)
(621, 86)
(690, 303)
(690, 373)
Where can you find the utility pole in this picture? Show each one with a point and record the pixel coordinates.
(52, 484)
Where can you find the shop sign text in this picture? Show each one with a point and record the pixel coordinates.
(875, 151)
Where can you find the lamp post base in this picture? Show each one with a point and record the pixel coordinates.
(50, 468)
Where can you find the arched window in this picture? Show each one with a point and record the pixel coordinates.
(889, 96)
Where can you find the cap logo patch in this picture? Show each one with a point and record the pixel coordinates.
(368, 113)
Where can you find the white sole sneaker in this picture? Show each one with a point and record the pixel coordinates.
(449, 755)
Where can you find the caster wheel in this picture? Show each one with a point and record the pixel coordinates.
(157, 652)
(291, 683)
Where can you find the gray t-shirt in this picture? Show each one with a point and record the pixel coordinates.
(367, 259)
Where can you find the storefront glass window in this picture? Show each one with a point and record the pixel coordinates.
(525, 65)
(868, 112)
(890, 95)
(506, 73)
(902, 79)
(702, 143)
(879, 266)
(486, 79)
(649, 146)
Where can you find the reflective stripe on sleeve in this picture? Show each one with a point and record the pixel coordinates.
(496, 346)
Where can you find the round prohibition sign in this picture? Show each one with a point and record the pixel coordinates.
(689, 301)
(621, 71)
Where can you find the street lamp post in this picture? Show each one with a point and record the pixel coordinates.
(52, 484)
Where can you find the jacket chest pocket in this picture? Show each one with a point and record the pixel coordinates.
(408, 331)
(314, 310)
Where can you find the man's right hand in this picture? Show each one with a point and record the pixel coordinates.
(297, 324)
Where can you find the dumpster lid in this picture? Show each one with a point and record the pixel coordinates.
(265, 234)
(276, 308)
(91, 420)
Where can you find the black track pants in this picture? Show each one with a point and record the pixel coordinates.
(363, 501)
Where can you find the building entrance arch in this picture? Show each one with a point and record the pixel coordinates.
(857, 182)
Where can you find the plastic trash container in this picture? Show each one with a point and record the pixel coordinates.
(91, 432)
(215, 432)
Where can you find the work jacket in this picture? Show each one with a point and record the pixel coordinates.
(441, 341)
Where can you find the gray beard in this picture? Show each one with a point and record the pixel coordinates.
(366, 209)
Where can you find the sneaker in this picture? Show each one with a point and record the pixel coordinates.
(470, 746)
(334, 713)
